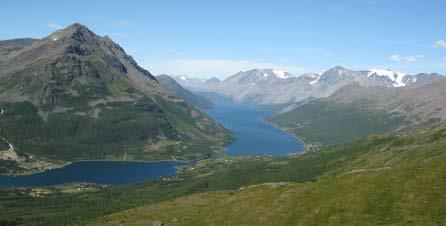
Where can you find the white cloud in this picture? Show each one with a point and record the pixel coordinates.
(54, 26)
(440, 44)
(221, 68)
(398, 58)
(125, 23)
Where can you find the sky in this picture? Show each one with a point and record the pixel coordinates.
(220, 38)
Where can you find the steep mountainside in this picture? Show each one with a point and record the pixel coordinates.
(355, 111)
(194, 99)
(273, 87)
(76, 95)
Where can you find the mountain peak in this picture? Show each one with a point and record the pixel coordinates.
(75, 31)
(76, 26)
(275, 73)
(338, 68)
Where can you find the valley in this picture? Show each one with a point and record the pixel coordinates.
(252, 136)
(361, 174)
(224, 113)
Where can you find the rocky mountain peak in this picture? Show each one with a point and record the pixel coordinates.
(76, 32)
(336, 70)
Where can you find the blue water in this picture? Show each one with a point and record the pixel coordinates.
(253, 135)
(99, 172)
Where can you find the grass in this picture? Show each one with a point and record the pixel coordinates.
(400, 185)
(384, 179)
(329, 123)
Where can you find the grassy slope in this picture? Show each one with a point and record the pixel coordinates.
(328, 178)
(381, 180)
(325, 122)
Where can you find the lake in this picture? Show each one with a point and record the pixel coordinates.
(253, 136)
(98, 172)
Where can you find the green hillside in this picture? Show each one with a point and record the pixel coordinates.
(326, 122)
(354, 112)
(383, 180)
(387, 179)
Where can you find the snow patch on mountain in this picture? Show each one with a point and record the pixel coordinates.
(281, 74)
(396, 77)
(316, 78)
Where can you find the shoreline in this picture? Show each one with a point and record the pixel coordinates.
(98, 160)
(290, 133)
(224, 153)
(309, 147)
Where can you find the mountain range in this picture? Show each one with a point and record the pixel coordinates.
(336, 106)
(76, 95)
(275, 87)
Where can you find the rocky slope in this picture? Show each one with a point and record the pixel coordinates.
(196, 100)
(76, 95)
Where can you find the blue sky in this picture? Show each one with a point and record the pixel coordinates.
(219, 38)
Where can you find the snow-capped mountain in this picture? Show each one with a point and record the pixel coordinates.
(374, 77)
(259, 75)
(395, 77)
(270, 86)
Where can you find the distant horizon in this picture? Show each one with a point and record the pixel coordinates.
(204, 40)
(295, 75)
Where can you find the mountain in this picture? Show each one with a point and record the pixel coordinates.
(188, 82)
(194, 99)
(76, 95)
(273, 87)
(354, 112)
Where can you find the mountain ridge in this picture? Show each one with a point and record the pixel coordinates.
(171, 85)
(254, 87)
